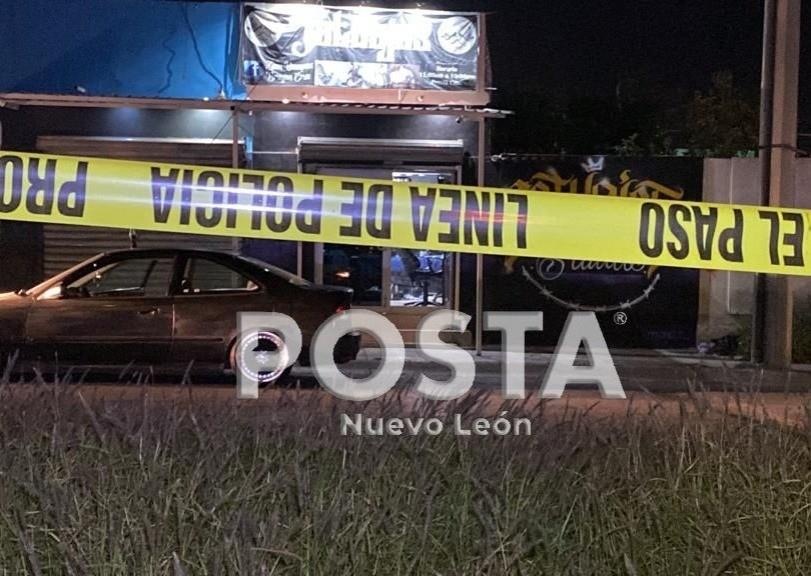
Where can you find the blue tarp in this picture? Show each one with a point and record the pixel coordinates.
(130, 48)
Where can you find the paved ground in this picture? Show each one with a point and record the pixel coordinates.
(654, 381)
(639, 370)
(665, 383)
(656, 371)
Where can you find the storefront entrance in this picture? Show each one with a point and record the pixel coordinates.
(404, 285)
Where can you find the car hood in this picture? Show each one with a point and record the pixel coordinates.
(14, 301)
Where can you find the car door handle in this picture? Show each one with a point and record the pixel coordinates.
(149, 312)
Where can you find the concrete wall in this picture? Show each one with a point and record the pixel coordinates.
(726, 298)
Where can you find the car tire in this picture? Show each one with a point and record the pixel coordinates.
(282, 378)
(285, 379)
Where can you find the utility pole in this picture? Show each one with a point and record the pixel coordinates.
(772, 318)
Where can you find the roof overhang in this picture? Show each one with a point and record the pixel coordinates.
(23, 99)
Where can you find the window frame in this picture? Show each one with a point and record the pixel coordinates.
(115, 262)
(180, 271)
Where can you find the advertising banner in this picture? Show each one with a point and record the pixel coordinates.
(639, 305)
(359, 47)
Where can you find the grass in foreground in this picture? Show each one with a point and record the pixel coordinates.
(143, 487)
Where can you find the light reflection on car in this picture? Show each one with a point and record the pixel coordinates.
(159, 307)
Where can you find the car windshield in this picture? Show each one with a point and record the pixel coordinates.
(54, 280)
(284, 274)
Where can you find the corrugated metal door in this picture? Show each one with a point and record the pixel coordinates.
(64, 246)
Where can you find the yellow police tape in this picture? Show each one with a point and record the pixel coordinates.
(254, 204)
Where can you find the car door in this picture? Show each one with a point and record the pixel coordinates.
(114, 311)
(209, 296)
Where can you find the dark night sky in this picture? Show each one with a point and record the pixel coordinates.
(584, 46)
(658, 52)
(668, 49)
(663, 50)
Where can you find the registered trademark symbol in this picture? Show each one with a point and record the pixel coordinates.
(620, 318)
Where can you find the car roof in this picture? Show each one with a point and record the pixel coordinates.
(169, 250)
(257, 266)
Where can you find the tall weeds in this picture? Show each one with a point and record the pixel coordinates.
(141, 486)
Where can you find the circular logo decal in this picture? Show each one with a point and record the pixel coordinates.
(456, 35)
(262, 356)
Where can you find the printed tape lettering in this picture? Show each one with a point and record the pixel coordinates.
(300, 207)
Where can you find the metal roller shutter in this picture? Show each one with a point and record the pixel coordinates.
(64, 246)
(396, 152)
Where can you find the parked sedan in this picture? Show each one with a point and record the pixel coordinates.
(161, 307)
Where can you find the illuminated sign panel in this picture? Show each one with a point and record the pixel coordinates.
(317, 53)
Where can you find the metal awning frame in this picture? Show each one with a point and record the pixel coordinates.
(15, 99)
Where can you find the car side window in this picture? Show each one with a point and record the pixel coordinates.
(140, 277)
(203, 276)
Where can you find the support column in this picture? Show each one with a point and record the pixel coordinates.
(235, 242)
(779, 300)
(480, 166)
(234, 137)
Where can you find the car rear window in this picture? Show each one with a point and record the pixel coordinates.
(276, 271)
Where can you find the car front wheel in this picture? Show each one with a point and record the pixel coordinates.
(250, 355)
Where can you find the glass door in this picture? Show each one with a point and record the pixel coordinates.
(361, 268)
(421, 278)
(387, 278)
